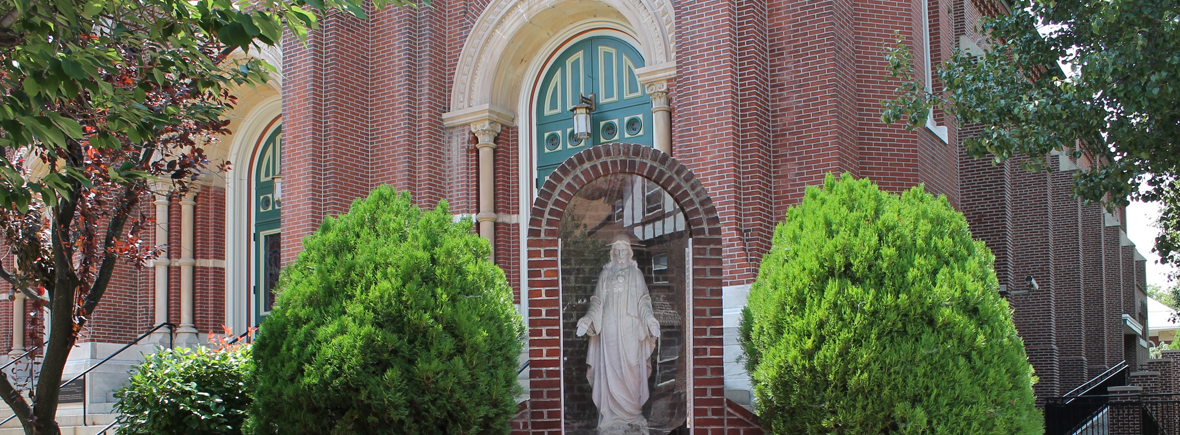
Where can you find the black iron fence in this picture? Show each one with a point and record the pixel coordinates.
(1113, 414)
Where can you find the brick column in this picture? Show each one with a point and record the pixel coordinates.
(1032, 253)
(1066, 283)
(1094, 288)
(1111, 268)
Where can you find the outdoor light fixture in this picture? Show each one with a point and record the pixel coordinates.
(278, 179)
(582, 112)
(1032, 286)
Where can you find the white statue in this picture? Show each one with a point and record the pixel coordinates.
(623, 335)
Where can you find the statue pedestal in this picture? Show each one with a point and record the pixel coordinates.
(630, 429)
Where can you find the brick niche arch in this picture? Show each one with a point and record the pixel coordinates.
(543, 413)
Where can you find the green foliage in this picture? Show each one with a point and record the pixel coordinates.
(1166, 296)
(187, 391)
(98, 98)
(1116, 101)
(391, 321)
(1157, 352)
(876, 313)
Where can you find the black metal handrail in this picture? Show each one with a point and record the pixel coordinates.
(172, 333)
(1065, 414)
(108, 427)
(240, 337)
(1137, 413)
(27, 353)
(1089, 386)
(171, 343)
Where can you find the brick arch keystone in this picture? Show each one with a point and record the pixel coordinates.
(543, 412)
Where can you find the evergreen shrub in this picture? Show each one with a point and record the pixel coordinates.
(876, 313)
(198, 391)
(390, 321)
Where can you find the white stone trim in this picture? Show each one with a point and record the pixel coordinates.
(238, 213)
(733, 300)
(927, 53)
(506, 24)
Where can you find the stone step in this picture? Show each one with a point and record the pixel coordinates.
(70, 424)
(66, 430)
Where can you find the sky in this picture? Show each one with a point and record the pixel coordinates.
(1141, 230)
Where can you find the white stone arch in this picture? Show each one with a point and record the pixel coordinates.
(239, 214)
(509, 34)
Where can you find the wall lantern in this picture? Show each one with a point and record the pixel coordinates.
(278, 179)
(582, 112)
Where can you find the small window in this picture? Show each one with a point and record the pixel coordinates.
(653, 199)
(659, 268)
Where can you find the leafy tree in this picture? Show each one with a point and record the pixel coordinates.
(391, 321)
(877, 313)
(201, 391)
(1164, 296)
(98, 100)
(1114, 103)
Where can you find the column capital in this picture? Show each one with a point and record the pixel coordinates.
(658, 91)
(190, 195)
(486, 131)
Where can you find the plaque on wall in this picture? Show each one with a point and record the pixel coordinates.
(73, 392)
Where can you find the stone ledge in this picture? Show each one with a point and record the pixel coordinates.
(1145, 373)
(1126, 389)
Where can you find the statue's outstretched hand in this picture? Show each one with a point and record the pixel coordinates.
(653, 326)
(583, 325)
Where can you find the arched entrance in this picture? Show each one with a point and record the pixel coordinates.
(267, 232)
(598, 193)
(602, 68)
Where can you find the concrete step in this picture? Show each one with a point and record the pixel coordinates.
(66, 430)
(70, 424)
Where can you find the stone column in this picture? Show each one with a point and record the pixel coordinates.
(18, 324)
(187, 332)
(161, 263)
(486, 132)
(654, 79)
(661, 114)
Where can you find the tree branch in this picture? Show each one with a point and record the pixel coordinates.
(9, 18)
(16, 284)
(127, 201)
(15, 401)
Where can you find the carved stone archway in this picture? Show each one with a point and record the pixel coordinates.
(489, 73)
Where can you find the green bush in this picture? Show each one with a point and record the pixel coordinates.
(390, 321)
(187, 391)
(877, 313)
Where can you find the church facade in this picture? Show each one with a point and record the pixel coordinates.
(707, 120)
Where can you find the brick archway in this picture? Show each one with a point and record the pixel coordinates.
(543, 412)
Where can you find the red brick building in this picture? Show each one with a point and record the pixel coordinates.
(710, 119)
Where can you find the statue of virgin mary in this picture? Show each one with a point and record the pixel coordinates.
(623, 335)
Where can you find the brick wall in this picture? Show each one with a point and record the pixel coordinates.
(1035, 312)
(1094, 289)
(1066, 277)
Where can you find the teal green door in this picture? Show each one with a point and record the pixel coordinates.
(267, 232)
(601, 65)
